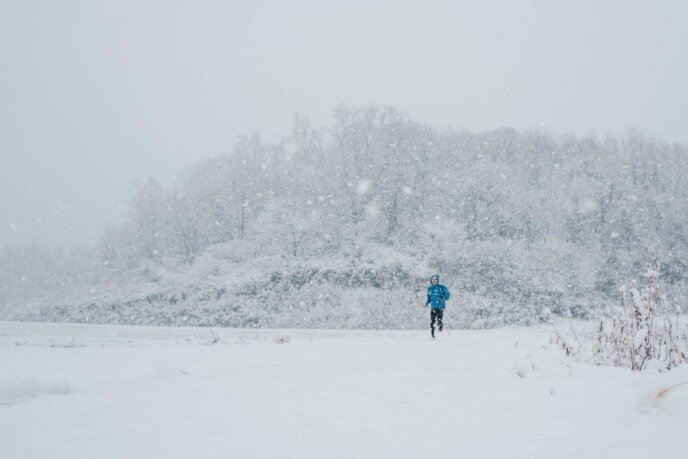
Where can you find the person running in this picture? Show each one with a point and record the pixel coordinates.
(438, 294)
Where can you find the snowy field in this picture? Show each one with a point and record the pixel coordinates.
(90, 391)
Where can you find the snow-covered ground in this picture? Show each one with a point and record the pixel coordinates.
(94, 391)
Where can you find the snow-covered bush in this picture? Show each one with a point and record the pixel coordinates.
(643, 332)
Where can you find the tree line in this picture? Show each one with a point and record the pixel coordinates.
(567, 213)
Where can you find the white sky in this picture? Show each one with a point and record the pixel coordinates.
(97, 94)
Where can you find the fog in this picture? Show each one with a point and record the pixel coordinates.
(97, 95)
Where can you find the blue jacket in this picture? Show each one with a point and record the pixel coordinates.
(437, 294)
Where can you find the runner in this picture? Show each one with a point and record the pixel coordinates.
(437, 295)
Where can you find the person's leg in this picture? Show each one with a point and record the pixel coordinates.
(433, 315)
(440, 316)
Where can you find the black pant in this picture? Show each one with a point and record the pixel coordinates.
(436, 314)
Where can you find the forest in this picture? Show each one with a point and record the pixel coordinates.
(341, 226)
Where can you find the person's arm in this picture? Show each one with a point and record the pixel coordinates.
(446, 293)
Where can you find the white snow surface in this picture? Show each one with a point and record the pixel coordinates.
(87, 391)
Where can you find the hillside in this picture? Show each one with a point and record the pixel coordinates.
(358, 214)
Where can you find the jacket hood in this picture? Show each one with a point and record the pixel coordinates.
(435, 276)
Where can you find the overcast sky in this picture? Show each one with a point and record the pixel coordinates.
(96, 95)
